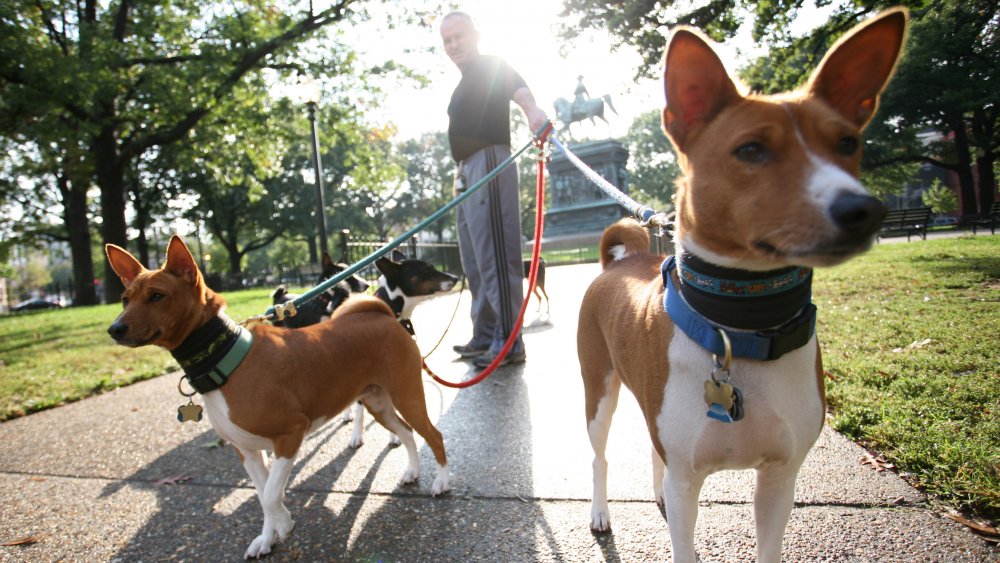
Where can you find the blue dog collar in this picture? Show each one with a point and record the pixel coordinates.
(769, 344)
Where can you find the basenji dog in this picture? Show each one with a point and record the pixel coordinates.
(266, 388)
(718, 342)
(539, 284)
(404, 283)
(320, 308)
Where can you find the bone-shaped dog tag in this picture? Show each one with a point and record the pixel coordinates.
(188, 412)
(725, 402)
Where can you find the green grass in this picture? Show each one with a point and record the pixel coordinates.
(933, 409)
(49, 358)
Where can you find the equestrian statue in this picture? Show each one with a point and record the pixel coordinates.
(582, 107)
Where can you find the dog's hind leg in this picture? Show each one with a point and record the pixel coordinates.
(380, 406)
(413, 408)
(358, 432)
(602, 400)
(658, 467)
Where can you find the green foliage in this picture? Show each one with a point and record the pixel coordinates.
(908, 342)
(653, 168)
(939, 198)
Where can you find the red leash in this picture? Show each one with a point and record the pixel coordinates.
(532, 276)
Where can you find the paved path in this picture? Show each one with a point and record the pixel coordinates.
(86, 479)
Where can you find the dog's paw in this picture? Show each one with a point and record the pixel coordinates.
(357, 440)
(600, 519)
(411, 476)
(442, 483)
(348, 416)
(259, 547)
(394, 440)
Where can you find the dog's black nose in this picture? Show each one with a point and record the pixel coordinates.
(118, 330)
(857, 214)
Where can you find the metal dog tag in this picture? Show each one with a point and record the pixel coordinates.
(188, 412)
(725, 402)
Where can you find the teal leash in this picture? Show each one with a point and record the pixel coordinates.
(371, 258)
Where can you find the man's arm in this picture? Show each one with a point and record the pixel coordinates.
(526, 101)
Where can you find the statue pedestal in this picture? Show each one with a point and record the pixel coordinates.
(577, 205)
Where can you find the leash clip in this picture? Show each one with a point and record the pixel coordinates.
(723, 367)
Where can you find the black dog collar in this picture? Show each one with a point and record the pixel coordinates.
(211, 353)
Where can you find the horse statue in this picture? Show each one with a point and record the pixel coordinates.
(582, 107)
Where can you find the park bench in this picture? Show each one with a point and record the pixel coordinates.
(991, 219)
(906, 222)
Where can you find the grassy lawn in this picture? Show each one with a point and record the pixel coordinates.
(48, 358)
(911, 340)
(910, 335)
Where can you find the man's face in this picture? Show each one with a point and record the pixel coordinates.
(460, 40)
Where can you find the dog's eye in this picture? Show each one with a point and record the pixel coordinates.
(124, 301)
(155, 297)
(847, 146)
(752, 153)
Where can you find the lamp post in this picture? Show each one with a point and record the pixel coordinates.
(310, 93)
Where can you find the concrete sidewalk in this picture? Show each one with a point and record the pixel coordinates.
(90, 481)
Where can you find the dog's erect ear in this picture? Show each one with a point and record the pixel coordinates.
(386, 266)
(123, 263)
(696, 85)
(397, 255)
(857, 68)
(327, 261)
(180, 262)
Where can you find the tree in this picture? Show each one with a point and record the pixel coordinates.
(117, 79)
(653, 165)
(429, 180)
(951, 42)
(939, 198)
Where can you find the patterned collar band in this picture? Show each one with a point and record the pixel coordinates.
(765, 314)
(211, 353)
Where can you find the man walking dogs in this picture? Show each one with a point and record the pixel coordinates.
(489, 221)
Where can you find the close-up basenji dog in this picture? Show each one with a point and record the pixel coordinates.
(320, 308)
(266, 388)
(539, 284)
(404, 283)
(718, 342)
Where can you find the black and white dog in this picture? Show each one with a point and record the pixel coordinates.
(320, 308)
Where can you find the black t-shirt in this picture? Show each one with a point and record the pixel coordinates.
(479, 111)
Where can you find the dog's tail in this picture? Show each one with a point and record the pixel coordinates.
(361, 303)
(278, 293)
(624, 238)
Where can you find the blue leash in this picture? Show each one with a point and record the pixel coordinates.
(646, 215)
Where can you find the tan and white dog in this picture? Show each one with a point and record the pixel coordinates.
(770, 190)
(266, 388)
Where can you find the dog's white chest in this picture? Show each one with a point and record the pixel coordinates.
(218, 414)
(783, 411)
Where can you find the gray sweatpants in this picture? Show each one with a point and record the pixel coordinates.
(489, 241)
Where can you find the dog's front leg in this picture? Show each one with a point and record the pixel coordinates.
(773, 499)
(278, 521)
(255, 463)
(681, 488)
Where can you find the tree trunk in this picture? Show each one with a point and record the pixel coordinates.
(982, 131)
(111, 181)
(78, 229)
(967, 188)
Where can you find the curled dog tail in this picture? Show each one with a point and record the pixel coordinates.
(624, 238)
(361, 303)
